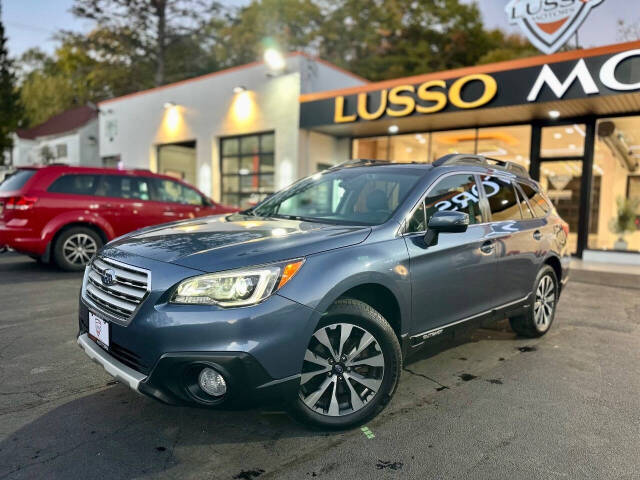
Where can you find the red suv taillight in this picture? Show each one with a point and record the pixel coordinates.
(20, 203)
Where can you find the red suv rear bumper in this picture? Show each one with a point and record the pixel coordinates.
(21, 238)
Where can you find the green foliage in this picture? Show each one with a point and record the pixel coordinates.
(625, 219)
(288, 24)
(10, 108)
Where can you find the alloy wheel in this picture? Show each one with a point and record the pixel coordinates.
(343, 370)
(79, 248)
(545, 303)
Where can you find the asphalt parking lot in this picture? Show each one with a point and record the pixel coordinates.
(490, 406)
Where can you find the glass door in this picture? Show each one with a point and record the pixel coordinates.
(562, 154)
(562, 180)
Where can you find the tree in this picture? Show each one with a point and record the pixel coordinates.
(289, 25)
(10, 108)
(382, 40)
(628, 31)
(149, 28)
(507, 47)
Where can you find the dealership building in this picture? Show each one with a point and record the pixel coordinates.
(571, 118)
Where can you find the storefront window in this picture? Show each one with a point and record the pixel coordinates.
(247, 165)
(511, 144)
(615, 191)
(375, 148)
(455, 141)
(563, 141)
(409, 148)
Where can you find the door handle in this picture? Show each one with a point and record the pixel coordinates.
(487, 247)
(537, 235)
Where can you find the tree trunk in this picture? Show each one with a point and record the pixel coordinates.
(161, 8)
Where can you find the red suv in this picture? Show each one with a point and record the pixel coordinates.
(66, 214)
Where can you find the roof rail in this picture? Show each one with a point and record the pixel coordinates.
(358, 161)
(479, 160)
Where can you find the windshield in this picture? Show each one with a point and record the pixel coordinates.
(360, 196)
(16, 180)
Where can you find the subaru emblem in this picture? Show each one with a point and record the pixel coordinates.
(108, 277)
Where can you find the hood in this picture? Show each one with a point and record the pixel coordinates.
(231, 241)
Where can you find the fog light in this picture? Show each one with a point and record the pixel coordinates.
(212, 382)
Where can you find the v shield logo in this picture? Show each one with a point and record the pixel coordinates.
(549, 23)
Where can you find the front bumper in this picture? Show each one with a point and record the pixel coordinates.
(116, 369)
(173, 380)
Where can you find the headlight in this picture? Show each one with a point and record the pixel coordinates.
(234, 288)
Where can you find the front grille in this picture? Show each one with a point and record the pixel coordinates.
(121, 299)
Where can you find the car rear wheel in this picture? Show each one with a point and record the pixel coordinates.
(75, 247)
(538, 319)
(351, 367)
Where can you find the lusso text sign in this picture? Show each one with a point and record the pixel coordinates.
(428, 97)
(600, 75)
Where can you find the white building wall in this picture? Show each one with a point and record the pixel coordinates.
(206, 110)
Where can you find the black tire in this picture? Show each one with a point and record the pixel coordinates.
(529, 325)
(61, 254)
(365, 319)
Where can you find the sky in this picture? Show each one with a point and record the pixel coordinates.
(32, 23)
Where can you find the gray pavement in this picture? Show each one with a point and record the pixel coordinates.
(490, 406)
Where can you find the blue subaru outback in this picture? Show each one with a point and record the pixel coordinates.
(316, 295)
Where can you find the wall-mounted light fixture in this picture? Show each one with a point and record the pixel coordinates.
(554, 114)
(168, 105)
(274, 60)
(239, 89)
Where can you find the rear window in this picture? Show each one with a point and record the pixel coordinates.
(75, 184)
(15, 181)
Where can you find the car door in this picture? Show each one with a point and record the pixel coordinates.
(516, 251)
(125, 202)
(453, 279)
(178, 201)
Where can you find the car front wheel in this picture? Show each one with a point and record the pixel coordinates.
(351, 367)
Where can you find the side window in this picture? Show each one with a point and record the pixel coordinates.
(122, 186)
(174, 192)
(457, 193)
(417, 222)
(75, 184)
(536, 200)
(527, 214)
(503, 202)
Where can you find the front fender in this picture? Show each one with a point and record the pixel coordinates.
(76, 216)
(327, 276)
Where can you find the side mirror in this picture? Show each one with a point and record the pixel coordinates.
(445, 222)
(449, 222)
